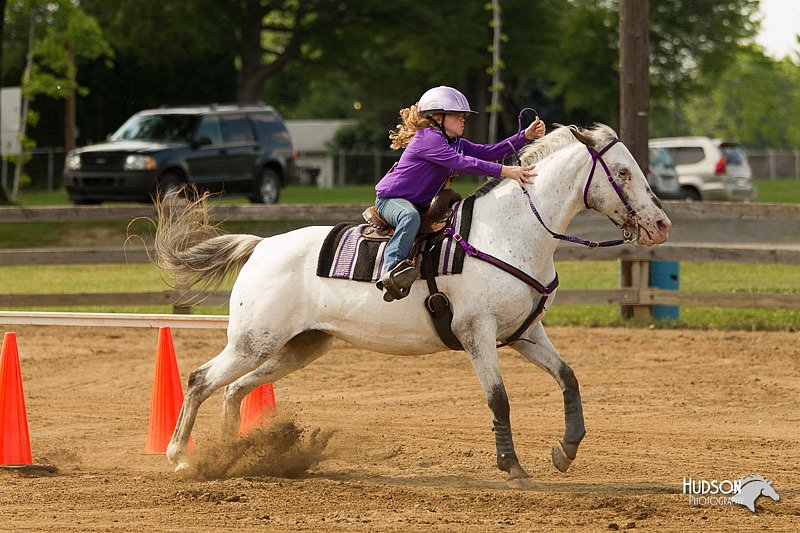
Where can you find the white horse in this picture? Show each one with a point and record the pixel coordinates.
(283, 317)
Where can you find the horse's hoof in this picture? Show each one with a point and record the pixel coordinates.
(181, 466)
(560, 458)
(175, 454)
(518, 478)
(519, 483)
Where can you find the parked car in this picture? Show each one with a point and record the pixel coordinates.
(661, 175)
(220, 148)
(709, 169)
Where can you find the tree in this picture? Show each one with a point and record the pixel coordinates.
(68, 33)
(739, 102)
(585, 71)
(691, 39)
(328, 58)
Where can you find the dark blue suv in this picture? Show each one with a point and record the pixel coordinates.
(220, 148)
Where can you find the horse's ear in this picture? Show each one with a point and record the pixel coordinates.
(582, 135)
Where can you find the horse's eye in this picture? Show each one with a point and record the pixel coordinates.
(624, 174)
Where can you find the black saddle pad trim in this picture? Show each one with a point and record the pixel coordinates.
(347, 255)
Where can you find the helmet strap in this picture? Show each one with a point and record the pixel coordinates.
(441, 128)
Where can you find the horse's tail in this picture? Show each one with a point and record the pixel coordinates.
(192, 250)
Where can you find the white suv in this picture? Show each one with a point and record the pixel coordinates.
(709, 169)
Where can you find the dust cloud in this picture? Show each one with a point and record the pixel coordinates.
(281, 449)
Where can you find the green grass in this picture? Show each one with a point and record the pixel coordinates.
(783, 191)
(716, 277)
(56, 279)
(38, 234)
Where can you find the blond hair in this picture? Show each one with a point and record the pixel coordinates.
(411, 121)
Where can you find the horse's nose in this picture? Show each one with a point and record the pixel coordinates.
(663, 225)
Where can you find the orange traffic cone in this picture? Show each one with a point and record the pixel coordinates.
(167, 397)
(256, 408)
(15, 443)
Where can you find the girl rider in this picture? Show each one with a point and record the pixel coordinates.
(430, 132)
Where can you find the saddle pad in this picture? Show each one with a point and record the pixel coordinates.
(345, 254)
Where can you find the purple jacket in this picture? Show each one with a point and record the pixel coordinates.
(428, 160)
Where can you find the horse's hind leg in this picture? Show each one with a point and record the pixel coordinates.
(301, 350)
(541, 352)
(235, 360)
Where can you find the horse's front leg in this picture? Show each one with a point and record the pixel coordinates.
(482, 353)
(541, 352)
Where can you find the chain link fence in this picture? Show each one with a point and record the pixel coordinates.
(773, 164)
(45, 170)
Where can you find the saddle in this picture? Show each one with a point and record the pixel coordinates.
(439, 215)
(435, 219)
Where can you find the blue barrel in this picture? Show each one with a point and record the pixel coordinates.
(665, 275)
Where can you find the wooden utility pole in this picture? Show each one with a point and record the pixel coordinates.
(634, 77)
(634, 103)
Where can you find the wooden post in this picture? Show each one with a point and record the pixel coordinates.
(634, 102)
(636, 275)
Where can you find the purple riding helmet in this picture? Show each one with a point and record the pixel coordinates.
(443, 99)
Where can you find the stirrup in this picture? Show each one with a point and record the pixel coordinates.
(398, 281)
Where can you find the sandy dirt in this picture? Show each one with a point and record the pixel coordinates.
(405, 443)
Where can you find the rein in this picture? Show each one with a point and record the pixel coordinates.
(596, 156)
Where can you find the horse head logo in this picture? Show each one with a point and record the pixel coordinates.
(751, 488)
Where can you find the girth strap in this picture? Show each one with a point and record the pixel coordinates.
(438, 305)
(537, 311)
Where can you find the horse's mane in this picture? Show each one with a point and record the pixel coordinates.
(559, 138)
(564, 136)
(484, 189)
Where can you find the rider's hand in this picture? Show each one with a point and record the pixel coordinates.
(519, 174)
(535, 130)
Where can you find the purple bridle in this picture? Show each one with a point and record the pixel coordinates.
(631, 219)
(596, 156)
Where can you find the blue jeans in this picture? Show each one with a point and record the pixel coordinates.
(405, 217)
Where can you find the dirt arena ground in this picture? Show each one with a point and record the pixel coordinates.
(410, 443)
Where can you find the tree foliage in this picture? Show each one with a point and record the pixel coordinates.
(755, 100)
(63, 24)
(334, 59)
(691, 40)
